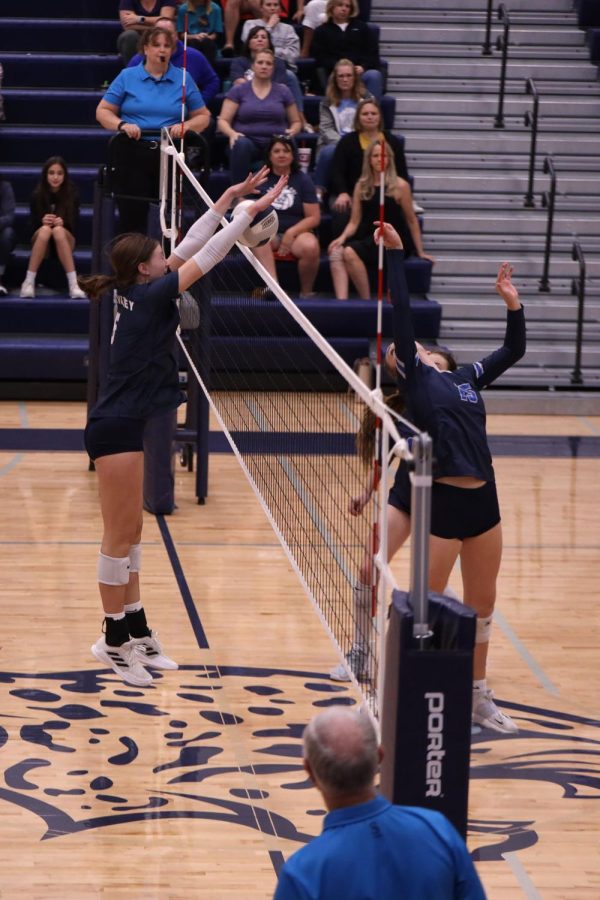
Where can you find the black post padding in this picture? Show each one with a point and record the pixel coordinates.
(203, 295)
(426, 716)
(159, 478)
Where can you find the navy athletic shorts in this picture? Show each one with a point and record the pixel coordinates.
(456, 513)
(116, 434)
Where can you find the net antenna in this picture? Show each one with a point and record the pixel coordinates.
(289, 405)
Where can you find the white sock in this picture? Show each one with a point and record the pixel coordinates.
(133, 607)
(72, 279)
(115, 616)
(480, 686)
(30, 277)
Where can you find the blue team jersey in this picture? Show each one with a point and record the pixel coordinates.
(376, 851)
(143, 374)
(448, 405)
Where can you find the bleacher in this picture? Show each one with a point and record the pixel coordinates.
(56, 66)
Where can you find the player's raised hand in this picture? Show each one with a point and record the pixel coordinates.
(506, 288)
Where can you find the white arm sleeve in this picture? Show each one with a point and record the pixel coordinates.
(220, 244)
(198, 234)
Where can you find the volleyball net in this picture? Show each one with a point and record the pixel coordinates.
(290, 406)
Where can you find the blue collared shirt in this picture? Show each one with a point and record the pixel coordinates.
(198, 67)
(152, 103)
(376, 851)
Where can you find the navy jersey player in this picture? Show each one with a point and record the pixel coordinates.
(143, 381)
(445, 401)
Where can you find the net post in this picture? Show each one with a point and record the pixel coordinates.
(421, 479)
(382, 591)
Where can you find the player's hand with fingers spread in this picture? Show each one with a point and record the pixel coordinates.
(250, 184)
(268, 198)
(391, 238)
(506, 288)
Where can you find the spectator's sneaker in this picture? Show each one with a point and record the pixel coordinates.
(76, 293)
(356, 659)
(149, 651)
(417, 208)
(28, 290)
(3, 290)
(487, 714)
(124, 661)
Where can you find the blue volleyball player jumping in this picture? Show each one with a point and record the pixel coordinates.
(445, 401)
(143, 381)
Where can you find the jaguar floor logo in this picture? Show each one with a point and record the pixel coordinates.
(80, 750)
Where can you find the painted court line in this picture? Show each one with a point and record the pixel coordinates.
(524, 653)
(525, 882)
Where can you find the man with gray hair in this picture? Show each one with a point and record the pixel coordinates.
(369, 848)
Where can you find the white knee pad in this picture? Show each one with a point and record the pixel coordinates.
(113, 570)
(483, 629)
(135, 557)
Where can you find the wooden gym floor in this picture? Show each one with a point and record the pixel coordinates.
(193, 788)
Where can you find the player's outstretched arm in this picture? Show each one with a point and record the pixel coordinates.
(204, 227)
(221, 243)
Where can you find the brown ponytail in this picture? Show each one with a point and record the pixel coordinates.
(127, 252)
(96, 285)
(365, 438)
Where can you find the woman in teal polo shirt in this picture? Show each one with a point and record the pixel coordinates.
(139, 102)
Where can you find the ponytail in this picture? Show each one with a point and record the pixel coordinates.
(96, 285)
(365, 438)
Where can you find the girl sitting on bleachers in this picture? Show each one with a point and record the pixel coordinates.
(351, 259)
(54, 214)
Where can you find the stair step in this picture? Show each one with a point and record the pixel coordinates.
(473, 105)
(471, 33)
(465, 261)
(379, 7)
(406, 84)
(479, 67)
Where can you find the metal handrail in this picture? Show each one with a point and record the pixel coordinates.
(531, 119)
(578, 287)
(548, 198)
(487, 43)
(502, 44)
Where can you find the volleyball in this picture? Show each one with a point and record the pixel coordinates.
(262, 229)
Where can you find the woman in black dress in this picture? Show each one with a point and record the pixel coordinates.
(351, 259)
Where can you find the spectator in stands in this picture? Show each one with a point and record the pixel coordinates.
(137, 17)
(204, 26)
(344, 36)
(241, 67)
(368, 847)
(299, 214)
(337, 114)
(353, 258)
(348, 159)
(253, 112)
(233, 10)
(7, 231)
(145, 99)
(54, 216)
(312, 15)
(260, 36)
(200, 70)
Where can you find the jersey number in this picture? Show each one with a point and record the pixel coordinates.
(467, 393)
(114, 331)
